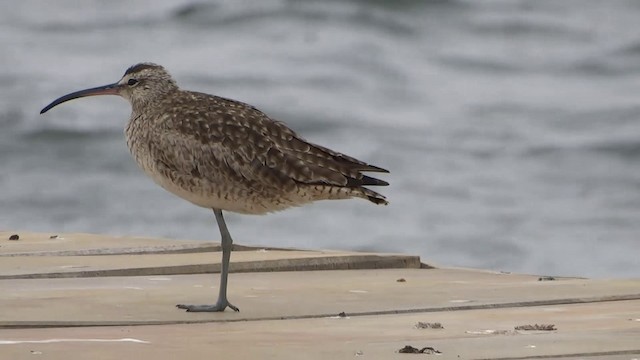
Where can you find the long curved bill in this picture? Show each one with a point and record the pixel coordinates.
(111, 89)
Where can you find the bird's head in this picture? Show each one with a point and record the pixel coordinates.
(140, 84)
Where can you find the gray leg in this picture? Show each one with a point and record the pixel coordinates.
(227, 244)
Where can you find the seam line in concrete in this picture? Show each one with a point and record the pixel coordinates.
(566, 301)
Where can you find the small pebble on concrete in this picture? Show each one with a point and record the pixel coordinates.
(14, 237)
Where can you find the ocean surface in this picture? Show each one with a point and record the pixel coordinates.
(511, 128)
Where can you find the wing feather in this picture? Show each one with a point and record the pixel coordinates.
(243, 143)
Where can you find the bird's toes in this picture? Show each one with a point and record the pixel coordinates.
(207, 308)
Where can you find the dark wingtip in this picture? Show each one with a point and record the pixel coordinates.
(365, 181)
(368, 180)
(375, 169)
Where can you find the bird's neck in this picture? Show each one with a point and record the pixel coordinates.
(145, 104)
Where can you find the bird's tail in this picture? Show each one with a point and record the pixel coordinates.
(357, 186)
(373, 196)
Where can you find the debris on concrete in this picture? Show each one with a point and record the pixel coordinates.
(536, 327)
(342, 315)
(408, 349)
(14, 237)
(546, 278)
(428, 325)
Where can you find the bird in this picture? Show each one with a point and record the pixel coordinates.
(226, 155)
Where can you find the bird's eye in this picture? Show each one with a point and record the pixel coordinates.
(132, 82)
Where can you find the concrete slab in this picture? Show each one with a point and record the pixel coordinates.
(582, 330)
(148, 300)
(84, 255)
(32, 267)
(34, 244)
(72, 310)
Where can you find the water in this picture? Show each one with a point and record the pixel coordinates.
(511, 128)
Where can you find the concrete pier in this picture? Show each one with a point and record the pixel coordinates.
(82, 296)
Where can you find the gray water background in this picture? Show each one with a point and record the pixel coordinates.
(511, 128)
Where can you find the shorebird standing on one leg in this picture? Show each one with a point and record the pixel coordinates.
(223, 154)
